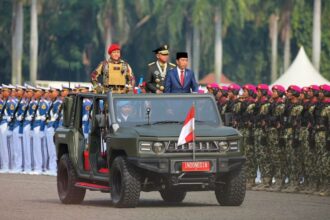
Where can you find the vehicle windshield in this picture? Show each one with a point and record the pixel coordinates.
(130, 111)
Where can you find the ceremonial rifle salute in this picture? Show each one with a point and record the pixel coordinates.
(181, 79)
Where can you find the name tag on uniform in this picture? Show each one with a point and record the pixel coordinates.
(116, 68)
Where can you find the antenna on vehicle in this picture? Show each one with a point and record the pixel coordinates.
(148, 114)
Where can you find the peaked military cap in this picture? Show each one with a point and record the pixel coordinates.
(162, 50)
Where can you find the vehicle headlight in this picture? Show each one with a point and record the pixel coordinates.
(223, 145)
(158, 147)
(145, 146)
(233, 146)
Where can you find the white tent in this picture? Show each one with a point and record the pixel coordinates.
(301, 73)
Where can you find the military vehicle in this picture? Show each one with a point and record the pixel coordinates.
(133, 146)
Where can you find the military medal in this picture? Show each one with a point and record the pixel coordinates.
(161, 88)
(163, 73)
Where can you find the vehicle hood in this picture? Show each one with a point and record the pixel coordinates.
(173, 130)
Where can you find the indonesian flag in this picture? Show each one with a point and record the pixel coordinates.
(188, 130)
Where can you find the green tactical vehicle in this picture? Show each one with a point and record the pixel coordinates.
(132, 147)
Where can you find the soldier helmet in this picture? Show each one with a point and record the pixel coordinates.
(224, 90)
(326, 90)
(280, 89)
(295, 90)
(251, 89)
(315, 89)
(264, 88)
(113, 47)
(234, 88)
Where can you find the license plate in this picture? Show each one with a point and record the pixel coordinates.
(193, 166)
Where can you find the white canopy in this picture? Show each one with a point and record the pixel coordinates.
(301, 73)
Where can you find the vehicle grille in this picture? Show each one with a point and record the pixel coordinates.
(200, 146)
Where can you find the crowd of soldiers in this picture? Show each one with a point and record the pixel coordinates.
(29, 117)
(286, 134)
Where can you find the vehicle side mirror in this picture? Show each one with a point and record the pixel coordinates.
(67, 111)
(100, 118)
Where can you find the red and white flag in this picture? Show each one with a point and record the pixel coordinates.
(188, 130)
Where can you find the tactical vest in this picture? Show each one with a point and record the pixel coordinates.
(114, 74)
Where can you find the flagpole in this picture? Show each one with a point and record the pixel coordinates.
(194, 144)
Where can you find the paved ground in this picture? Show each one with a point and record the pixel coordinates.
(35, 197)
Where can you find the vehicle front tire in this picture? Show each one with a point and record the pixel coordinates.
(66, 179)
(125, 184)
(173, 195)
(232, 193)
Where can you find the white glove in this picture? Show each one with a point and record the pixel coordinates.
(19, 118)
(43, 118)
(55, 117)
(85, 118)
(8, 119)
(28, 118)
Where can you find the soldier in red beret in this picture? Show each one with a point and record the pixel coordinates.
(116, 73)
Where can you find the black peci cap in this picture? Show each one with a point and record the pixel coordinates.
(181, 55)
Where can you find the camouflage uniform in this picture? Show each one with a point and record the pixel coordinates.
(222, 106)
(117, 76)
(322, 145)
(246, 129)
(293, 167)
(306, 138)
(260, 142)
(277, 153)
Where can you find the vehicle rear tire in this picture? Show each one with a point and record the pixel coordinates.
(66, 179)
(173, 195)
(232, 193)
(125, 184)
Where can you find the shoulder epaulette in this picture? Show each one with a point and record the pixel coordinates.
(151, 63)
(172, 64)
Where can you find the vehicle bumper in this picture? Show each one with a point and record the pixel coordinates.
(173, 166)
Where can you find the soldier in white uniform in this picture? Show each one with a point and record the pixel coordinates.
(52, 125)
(7, 131)
(17, 151)
(39, 142)
(28, 129)
(4, 154)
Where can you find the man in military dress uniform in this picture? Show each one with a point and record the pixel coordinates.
(157, 70)
(27, 127)
(5, 116)
(17, 158)
(116, 73)
(39, 140)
